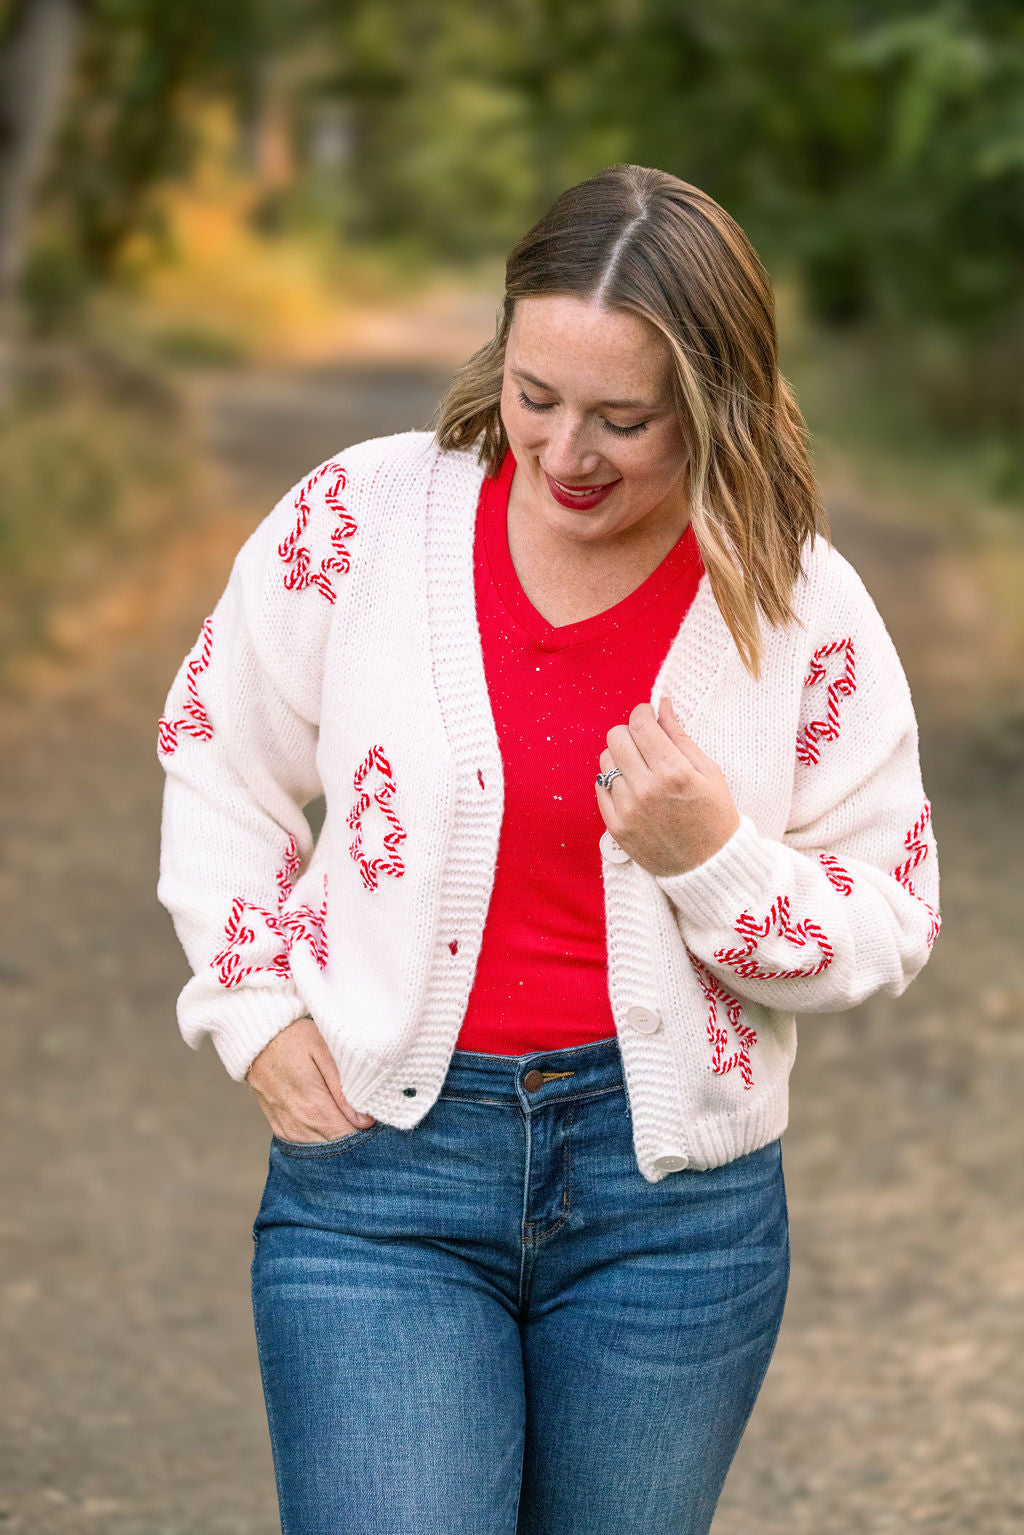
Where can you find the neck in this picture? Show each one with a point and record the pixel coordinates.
(569, 579)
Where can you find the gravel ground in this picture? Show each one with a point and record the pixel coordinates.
(133, 1167)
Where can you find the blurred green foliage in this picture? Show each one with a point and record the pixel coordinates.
(878, 147)
(873, 149)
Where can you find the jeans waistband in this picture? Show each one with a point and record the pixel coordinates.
(543, 1076)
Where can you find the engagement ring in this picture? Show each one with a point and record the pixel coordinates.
(605, 779)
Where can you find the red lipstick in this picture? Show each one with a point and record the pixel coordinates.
(581, 497)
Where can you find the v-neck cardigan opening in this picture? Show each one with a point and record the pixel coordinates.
(639, 915)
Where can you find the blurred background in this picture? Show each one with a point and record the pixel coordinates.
(236, 236)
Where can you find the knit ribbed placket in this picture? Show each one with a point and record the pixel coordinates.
(461, 687)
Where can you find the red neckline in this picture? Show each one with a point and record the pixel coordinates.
(682, 559)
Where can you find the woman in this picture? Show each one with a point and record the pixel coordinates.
(523, 1039)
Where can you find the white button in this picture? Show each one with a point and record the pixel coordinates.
(611, 849)
(646, 1020)
(671, 1164)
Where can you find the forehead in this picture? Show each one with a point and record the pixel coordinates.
(572, 342)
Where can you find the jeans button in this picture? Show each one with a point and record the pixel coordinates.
(532, 1081)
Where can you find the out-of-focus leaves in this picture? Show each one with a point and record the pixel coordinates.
(873, 147)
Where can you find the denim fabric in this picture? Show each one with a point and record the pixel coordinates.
(492, 1324)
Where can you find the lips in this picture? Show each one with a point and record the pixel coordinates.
(580, 497)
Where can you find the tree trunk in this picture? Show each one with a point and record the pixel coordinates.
(35, 66)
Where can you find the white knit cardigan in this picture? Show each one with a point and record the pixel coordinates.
(344, 658)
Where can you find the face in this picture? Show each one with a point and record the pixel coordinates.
(588, 409)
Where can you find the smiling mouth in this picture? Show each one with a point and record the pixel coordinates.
(581, 490)
(583, 498)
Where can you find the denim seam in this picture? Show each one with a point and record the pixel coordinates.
(278, 1471)
(556, 1228)
(761, 1379)
(563, 1099)
(524, 1246)
(498, 1103)
(313, 1151)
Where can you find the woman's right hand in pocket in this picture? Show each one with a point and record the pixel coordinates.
(297, 1085)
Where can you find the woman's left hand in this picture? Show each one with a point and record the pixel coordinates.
(671, 809)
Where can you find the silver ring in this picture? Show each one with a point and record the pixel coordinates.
(604, 780)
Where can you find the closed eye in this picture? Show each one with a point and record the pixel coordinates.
(626, 431)
(528, 404)
(619, 431)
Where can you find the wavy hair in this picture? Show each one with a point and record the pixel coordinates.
(644, 242)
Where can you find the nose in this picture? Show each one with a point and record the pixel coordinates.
(568, 454)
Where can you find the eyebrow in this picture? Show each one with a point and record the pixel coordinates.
(539, 383)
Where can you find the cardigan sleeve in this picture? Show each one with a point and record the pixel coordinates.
(845, 903)
(238, 744)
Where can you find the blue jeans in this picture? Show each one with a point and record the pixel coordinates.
(492, 1324)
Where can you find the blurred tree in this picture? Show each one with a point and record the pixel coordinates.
(879, 146)
(874, 147)
(37, 45)
(144, 64)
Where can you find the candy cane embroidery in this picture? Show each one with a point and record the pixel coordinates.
(718, 1036)
(297, 556)
(194, 720)
(917, 852)
(777, 924)
(838, 877)
(371, 868)
(304, 925)
(241, 935)
(807, 750)
(285, 876)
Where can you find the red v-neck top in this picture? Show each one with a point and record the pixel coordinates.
(555, 692)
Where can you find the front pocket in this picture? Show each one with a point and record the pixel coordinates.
(333, 1148)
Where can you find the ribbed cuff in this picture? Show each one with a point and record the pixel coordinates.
(256, 1016)
(711, 894)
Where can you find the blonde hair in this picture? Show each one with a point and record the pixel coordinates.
(644, 242)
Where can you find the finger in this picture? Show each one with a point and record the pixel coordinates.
(656, 746)
(606, 762)
(627, 757)
(670, 725)
(619, 797)
(611, 808)
(304, 1123)
(325, 1064)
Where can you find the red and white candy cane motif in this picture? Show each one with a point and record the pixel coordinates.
(807, 750)
(718, 1036)
(777, 923)
(917, 851)
(838, 877)
(194, 720)
(297, 556)
(371, 868)
(285, 876)
(304, 925)
(241, 935)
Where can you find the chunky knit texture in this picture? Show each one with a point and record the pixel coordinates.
(344, 658)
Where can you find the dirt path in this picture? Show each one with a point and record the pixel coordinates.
(131, 1401)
